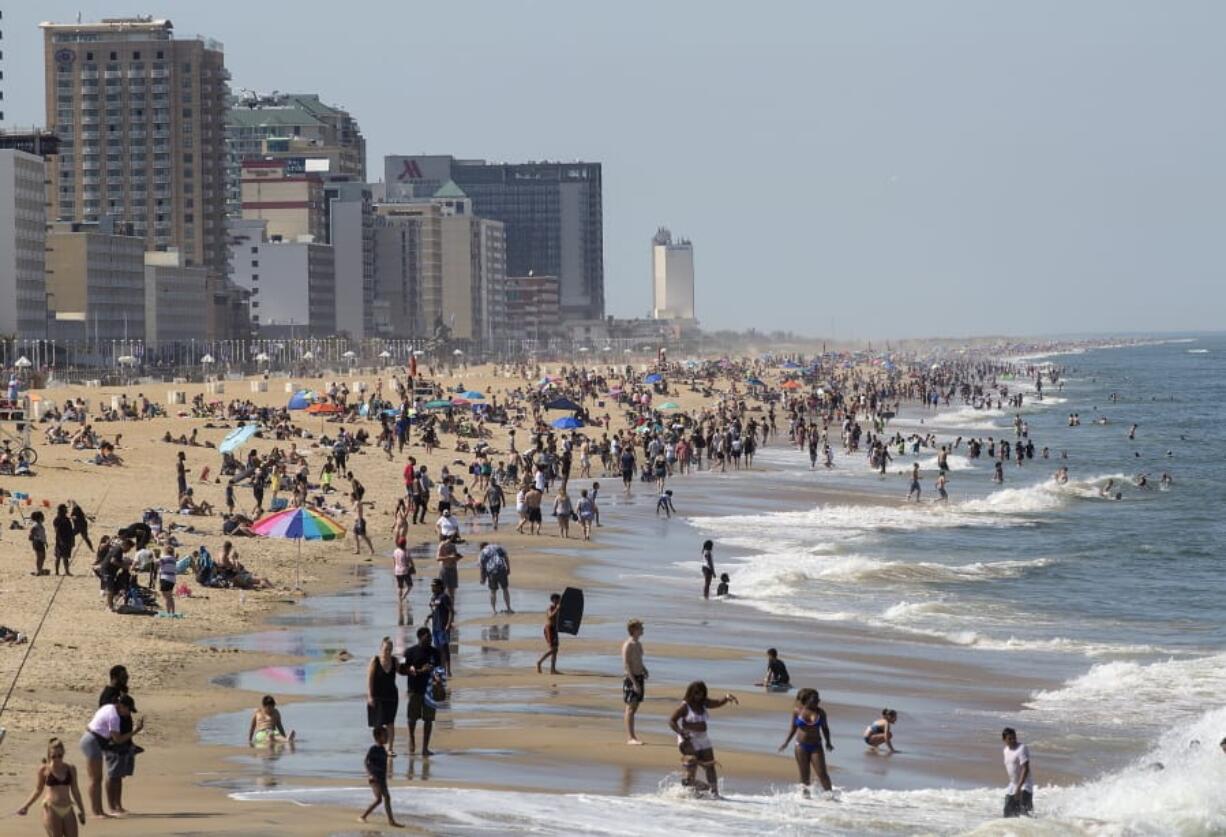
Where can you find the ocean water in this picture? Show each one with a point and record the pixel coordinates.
(1181, 796)
(1110, 606)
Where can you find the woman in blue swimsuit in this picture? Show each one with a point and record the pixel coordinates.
(809, 725)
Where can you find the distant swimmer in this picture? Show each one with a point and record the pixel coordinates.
(1105, 491)
(1166, 481)
(942, 494)
(998, 474)
(881, 731)
(1132, 432)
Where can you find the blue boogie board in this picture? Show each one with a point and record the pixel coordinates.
(570, 613)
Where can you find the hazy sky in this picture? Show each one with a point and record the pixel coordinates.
(866, 169)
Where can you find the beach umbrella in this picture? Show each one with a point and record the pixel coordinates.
(308, 356)
(22, 362)
(653, 378)
(419, 352)
(300, 400)
(607, 349)
(437, 405)
(461, 402)
(261, 357)
(669, 405)
(237, 438)
(300, 524)
(473, 395)
(324, 408)
(628, 351)
(789, 365)
(385, 353)
(562, 404)
(567, 423)
(793, 384)
(126, 360)
(458, 352)
(584, 349)
(755, 382)
(207, 359)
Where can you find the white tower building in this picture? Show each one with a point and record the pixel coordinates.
(672, 277)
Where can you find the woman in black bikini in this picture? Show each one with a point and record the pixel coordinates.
(809, 724)
(60, 781)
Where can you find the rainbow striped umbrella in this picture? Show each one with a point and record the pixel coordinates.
(300, 524)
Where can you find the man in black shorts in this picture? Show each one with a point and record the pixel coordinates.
(420, 661)
(634, 686)
(496, 572)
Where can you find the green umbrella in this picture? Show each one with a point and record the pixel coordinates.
(438, 405)
(670, 405)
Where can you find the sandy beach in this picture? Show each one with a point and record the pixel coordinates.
(180, 785)
(196, 679)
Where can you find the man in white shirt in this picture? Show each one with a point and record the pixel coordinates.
(1019, 798)
(448, 528)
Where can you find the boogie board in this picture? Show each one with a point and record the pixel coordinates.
(570, 612)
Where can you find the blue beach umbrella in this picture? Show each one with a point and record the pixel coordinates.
(300, 400)
(562, 404)
(653, 378)
(473, 395)
(567, 423)
(237, 438)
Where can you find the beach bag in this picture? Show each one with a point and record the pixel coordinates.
(436, 692)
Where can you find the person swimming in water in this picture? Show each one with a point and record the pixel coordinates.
(881, 731)
(808, 725)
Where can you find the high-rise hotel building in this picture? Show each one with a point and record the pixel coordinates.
(141, 117)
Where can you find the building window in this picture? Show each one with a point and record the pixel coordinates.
(114, 56)
(160, 55)
(255, 263)
(255, 304)
(255, 249)
(136, 55)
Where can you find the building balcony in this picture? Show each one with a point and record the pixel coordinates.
(136, 73)
(91, 180)
(89, 75)
(160, 88)
(113, 74)
(159, 74)
(89, 120)
(91, 165)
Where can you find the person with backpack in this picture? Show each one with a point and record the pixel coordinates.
(496, 572)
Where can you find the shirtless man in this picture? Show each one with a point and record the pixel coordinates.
(634, 685)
